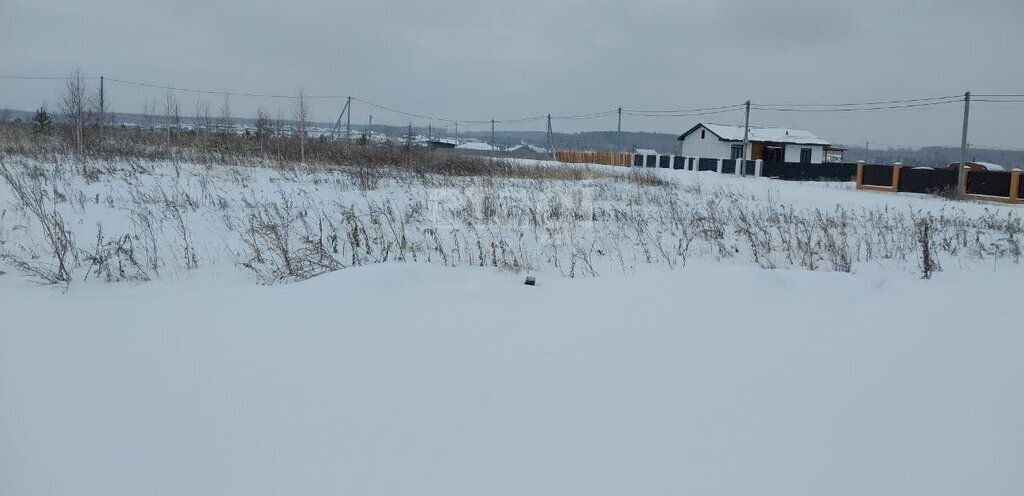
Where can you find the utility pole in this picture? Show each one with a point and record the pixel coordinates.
(961, 183)
(369, 128)
(102, 111)
(746, 140)
(618, 135)
(456, 134)
(348, 120)
(430, 137)
(408, 144)
(551, 139)
(345, 111)
(492, 135)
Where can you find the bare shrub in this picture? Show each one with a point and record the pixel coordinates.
(277, 252)
(32, 196)
(924, 232)
(114, 259)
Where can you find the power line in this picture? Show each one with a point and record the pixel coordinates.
(953, 98)
(690, 114)
(46, 78)
(857, 109)
(593, 115)
(882, 105)
(224, 93)
(683, 111)
(407, 114)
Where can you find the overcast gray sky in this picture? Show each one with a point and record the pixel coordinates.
(471, 59)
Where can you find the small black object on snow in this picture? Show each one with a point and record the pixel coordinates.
(531, 281)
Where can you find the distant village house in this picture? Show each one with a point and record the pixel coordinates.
(771, 144)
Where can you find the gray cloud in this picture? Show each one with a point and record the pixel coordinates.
(478, 60)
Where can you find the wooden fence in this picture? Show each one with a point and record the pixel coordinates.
(591, 157)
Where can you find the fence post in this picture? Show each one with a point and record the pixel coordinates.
(1015, 185)
(740, 163)
(696, 164)
(860, 173)
(896, 176)
(719, 166)
(757, 167)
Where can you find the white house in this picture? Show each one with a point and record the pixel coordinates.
(771, 144)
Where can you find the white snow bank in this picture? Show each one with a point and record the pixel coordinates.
(412, 379)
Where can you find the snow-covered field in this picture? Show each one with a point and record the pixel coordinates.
(418, 363)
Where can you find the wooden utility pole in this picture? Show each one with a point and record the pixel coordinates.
(430, 137)
(961, 183)
(346, 110)
(348, 120)
(456, 134)
(408, 143)
(746, 140)
(551, 139)
(369, 129)
(492, 135)
(618, 133)
(102, 111)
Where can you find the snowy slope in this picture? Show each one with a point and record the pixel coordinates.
(400, 379)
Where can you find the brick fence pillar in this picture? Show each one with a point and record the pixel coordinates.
(896, 176)
(1015, 186)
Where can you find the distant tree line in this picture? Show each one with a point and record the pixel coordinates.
(933, 156)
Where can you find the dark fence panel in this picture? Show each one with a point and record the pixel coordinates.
(678, 162)
(789, 171)
(652, 161)
(750, 166)
(927, 180)
(728, 167)
(878, 175)
(692, 163)
(638, 160)
(989, 183)
(707, 164)
(664, 161)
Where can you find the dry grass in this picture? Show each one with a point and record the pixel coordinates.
(124, 145)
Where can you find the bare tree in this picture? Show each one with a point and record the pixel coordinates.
(263, 130)
(75, 105)
(101, 112)
(202, 118)
(301, 114)
(279, 131)
(172, 116)
(146, 115)
(225, 113)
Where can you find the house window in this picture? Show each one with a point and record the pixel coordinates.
(805, 155)
(701, 134)
(737, 151)
(773, 153)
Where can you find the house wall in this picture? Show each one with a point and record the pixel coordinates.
(710, 146)
(792, 153)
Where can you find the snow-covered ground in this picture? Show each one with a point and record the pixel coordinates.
(404, 379)
(678, 370)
